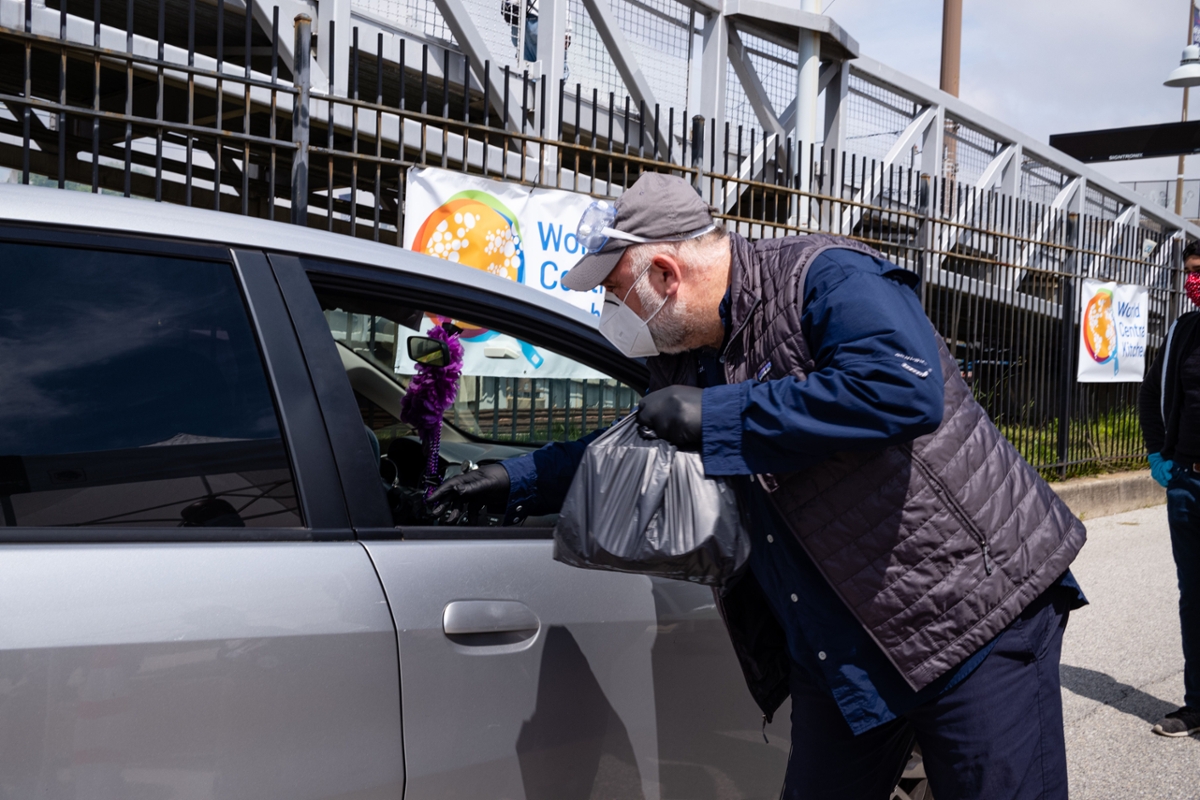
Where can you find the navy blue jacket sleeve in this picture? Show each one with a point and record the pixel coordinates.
(877, 380)
(538, 482)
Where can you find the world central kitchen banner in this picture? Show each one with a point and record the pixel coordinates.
(1112, 327)
(523, 234)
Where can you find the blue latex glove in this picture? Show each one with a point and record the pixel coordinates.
(1161, 469)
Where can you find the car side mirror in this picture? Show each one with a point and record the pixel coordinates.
(428, 351)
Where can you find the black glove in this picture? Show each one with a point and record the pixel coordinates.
(673, 414)
(487, 486)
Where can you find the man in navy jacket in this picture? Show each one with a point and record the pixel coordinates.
(877, 382)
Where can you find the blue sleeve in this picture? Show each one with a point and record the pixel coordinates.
(538, 482)
(1074, 591)
(877, 380)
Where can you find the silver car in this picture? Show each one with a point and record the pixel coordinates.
(214, 582)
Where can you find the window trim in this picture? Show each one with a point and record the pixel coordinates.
(113, 242)
(288, 375)
(586, 344)
(148, 535)
(458, 533)
(365, 499)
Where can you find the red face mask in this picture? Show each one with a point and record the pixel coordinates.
(1192, 286)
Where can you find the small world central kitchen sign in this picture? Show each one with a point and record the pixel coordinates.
(1112, 328)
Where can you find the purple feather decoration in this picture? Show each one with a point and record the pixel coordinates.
(430, 393)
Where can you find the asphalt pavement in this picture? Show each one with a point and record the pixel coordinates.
(1122, 667)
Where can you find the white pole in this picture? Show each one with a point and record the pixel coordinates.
(687, 92)
(521, 31)
(808, 76)
(552, 53)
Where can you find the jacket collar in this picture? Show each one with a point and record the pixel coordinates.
(744, 284)
(744, 287)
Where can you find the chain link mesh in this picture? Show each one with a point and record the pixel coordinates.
(968, 152)
(421, 16)
(738, 111)
(776, 69)
(876, 118)
(1101, 205)
(1040, 182)
(588, 60)
(657, 31)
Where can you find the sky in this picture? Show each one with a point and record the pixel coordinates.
(1044, 66)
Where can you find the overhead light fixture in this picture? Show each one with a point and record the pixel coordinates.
(1188, 71)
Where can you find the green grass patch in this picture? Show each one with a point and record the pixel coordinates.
(1102, 443)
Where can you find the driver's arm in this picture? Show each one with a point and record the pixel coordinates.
(538, 481)
(527, 485)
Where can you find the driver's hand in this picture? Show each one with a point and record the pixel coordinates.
(487, 486)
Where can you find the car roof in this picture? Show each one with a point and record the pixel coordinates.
(38, 205)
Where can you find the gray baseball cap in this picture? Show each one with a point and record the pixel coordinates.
(657, 208)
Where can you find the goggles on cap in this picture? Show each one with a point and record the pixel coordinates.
(595, 228)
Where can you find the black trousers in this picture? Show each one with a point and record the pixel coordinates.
(1183, 515)
(997, 735)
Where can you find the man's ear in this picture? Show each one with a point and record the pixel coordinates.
(667, 273)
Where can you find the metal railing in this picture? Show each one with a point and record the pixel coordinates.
(238, 130)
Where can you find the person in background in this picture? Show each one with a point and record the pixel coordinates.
(1169, 406)
(511, 11)
(908, 577)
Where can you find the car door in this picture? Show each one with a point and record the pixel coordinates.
(183, 610)
(522, 677)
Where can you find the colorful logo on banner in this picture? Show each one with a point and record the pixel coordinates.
(1100, 329)
(521, 233)
(516, 232)
(476, 230)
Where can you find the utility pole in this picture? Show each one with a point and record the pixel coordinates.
(1191, 39)
(951, 45)
(951, 60)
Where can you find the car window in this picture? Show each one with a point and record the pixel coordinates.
(513, 396)
(134, 394)
(511, 391)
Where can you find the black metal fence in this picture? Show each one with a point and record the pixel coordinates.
(199, 108)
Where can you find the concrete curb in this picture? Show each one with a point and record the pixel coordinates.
(1089, 498)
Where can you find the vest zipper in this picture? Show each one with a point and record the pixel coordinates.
(959, 513)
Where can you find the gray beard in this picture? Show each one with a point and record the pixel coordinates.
(670, 328)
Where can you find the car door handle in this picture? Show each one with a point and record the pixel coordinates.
(468, 617)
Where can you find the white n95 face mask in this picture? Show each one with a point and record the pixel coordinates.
(628, 332)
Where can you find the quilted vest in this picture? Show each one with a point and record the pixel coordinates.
(935, 545)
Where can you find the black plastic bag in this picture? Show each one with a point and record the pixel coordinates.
(644, 506)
